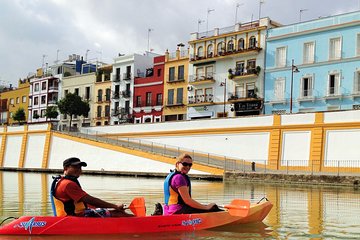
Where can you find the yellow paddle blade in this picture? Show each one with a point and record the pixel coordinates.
(238, 207)
(137, 207)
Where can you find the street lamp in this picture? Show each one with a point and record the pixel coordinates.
(296, 70)
(223, 84)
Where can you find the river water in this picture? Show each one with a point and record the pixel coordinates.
(299, 212)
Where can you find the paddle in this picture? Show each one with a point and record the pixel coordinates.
(238, 207)
(137, 207)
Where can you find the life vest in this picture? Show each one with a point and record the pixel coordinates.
(170, 195)
(68, 208)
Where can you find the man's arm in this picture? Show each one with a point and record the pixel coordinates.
(96, 202)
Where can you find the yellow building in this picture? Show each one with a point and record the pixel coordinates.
(100, 115)
(13, 99)
(175, 85)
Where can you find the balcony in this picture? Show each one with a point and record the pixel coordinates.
(175, 79)
(127, 76)
(306, 96)
(212, 56)
(170, 103)
(197, 79)
(333, 93)
(126, 94)
(239, 97)
(241, 74)
(200, 100)
(116, 95)
(116, 78)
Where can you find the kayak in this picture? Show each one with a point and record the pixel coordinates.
(238, 212)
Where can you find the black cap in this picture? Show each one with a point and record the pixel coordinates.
(73, 161)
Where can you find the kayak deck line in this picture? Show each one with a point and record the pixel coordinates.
(69, 225)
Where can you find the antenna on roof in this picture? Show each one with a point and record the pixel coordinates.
(300, 13)
(149, 30)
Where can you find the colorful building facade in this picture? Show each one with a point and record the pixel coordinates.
(314, 66)
(148, 93)
(226, 70)
(101, 99)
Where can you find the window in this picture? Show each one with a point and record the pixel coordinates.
(281, 57)
(200, 51)
(43, 86)
(36, 87)
(240, 68)
(335, 48)
(138, 101)
(252, 42)
(76, 91)
(148, 98)
(279, 89)
(87, 93)
(199, 95)
(36, 100)
(24, 99)
(171, 74)
(358, 44)
(209, 95)
(170, 97)
(36, 114)
(179, 96)
(128, 72)
(181, 72)
(107, 111)
(239, 91)
(17, 100)
(98, 113)
(309, 52)
(210, 50)
(230, 46)
(250, 88)
(117, 75)
(200, 74)
(251, 65)
(241, 44)
(42, 113)
(306, 86)
(159, 99)
(209, 72)
(43, 99)
(333, 85)
(159, 72)
(66, 92)
(107, 94)
(220, 49)
(356, 88)
(99, 96)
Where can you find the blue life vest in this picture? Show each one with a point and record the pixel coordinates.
(167, 186)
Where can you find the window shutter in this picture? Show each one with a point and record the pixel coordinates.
(301, 87)
(337, 84)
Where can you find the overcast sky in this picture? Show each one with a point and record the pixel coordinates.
(30, 29)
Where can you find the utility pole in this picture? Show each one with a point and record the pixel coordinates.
(236, 11)
(207, 19)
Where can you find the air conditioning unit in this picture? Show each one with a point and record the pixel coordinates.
(190, 88)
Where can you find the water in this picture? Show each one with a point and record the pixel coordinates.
(299, 212)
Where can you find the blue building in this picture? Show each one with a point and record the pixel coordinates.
(313, 66)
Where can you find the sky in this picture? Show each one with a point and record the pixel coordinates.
(33, 32)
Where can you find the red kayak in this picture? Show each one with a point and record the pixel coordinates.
(238, 212)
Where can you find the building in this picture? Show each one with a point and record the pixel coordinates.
(125, 69)
(148, 93)
(83, 86)
(13, 99)
(314, 66)
(100, 102)
(176, 84)
(226, 70)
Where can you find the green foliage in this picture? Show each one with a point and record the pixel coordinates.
(51, 112)
(72, 104)
(19, 115)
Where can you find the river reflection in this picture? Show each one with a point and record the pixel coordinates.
(299, 212)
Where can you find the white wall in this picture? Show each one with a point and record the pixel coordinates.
(293, 119)
(34, 150)
(98, 158)
(296, 148)
(12, 151)
(344, 116)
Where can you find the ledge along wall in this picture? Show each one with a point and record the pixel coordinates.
(323, 141)
(37, 147)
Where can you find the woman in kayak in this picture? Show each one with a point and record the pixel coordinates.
(70, 199)
(177, 191)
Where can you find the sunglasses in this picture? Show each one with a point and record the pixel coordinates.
(185, 164)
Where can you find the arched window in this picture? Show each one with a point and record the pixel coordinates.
(230, 46)
(100, 93)
(241, 44)
(220, 49)
(210, 50)
(108, 91)
(98, 113)
(200, 51)
(252, 42)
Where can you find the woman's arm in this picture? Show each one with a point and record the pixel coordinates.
(184, 193)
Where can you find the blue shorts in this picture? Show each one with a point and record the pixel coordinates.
(98, 212)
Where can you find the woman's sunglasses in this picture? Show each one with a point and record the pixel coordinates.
(185, 164)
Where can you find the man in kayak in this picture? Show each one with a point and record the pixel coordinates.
(177, 191)
(70, 199)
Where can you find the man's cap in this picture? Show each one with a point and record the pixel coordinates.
(73, 161)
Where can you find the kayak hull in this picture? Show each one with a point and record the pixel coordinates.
(48, 225)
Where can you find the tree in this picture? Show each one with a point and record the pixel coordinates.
(19, 115)
(51, 112)
(72, 104)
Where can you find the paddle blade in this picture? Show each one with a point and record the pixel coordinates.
(238, 207)
(137, 207)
